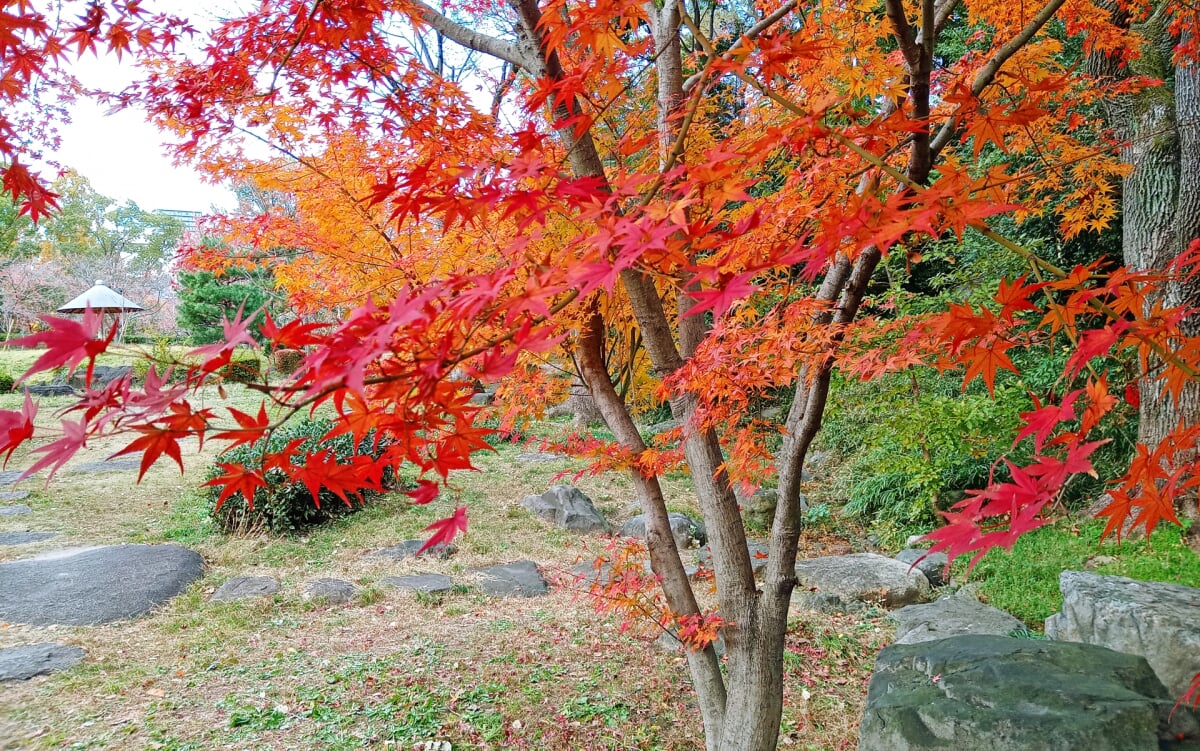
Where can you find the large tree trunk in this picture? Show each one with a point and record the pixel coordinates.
(1158, 128)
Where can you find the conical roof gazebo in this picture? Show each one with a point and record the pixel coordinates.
(103, 300)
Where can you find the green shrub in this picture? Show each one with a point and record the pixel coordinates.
(6, 380)
(285, 507)
(286, 361)
(243, 367)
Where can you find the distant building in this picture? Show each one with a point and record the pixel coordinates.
(190, 219)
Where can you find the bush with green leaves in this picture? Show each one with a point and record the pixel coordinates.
(287, 361)
(243, 367)
(285, 507)
(6, 380)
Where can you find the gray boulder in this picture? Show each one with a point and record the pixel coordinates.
(8, 496)
(241, 587)
(102, 375)
(684, 529)
(17, 509)
(24, 662)
(953, 615)
(518, 579)
(330, 591)
(1003, 694)
(432, 584)
(409, 548)
(1160, 622)
(759, 509)
(933, 565)
(96, 585)
(566, 507)
(860, 578)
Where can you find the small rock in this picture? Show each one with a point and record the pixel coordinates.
(332, 591)
(568, 508)
(433, 746)
(409, 548)
(241, 587)
(19, 509)
(24, 538)
(1097, 561)
(24, 662)
(759, 509)
(431, 584)
(110, 465)
(915, 541)
(7, 496)
(684, 529)
(933, 565)
(518, 579)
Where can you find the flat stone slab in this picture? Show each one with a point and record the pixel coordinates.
(860, 578)
(331, 591)
(19, 509)
(112, 465)
(409, 548)
(95, 585)
(566, 506)
(9, 476)
(24, 538)
(432, 584)
(955, 615)
(241, 587)
(24, 662)
(1002, 694)
(1160, 622)
(8, 496)
(518, 579)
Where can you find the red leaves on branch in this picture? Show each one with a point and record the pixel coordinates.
(445, 530)
(67, 342)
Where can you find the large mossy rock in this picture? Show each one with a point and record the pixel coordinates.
(846, 582)
(1160, 622)
(1004, 694)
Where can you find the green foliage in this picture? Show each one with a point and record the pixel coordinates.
(243, 367)
(205, 300)
(914, 443)
(1025, 581)
(285, 507)
(6, 380)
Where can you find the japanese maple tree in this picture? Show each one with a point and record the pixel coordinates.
(732, 178)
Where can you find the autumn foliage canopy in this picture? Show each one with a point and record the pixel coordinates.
(466, 236)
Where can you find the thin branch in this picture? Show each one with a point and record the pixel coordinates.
(751, 33)
(473, 40)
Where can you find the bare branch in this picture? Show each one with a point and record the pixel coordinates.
(472, 40)
(751, 33)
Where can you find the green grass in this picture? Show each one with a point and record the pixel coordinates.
(1025, 581)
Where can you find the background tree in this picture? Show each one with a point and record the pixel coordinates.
(206, 300)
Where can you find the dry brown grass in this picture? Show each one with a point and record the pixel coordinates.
(389, 669)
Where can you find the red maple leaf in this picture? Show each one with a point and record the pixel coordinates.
(445, 530)
(237, 479)
(156, 440)
(16, 427)
(68, 343)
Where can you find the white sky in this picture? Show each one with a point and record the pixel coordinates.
(123, 155)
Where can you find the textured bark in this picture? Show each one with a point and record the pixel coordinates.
(1160, 133)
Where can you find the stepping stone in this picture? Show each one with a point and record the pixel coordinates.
(409, 548)
(94, 585)
(24, 662)
(431, 584)
(24, 538)
(538, 457)
(7, 496)
(241, 587)
(332, 591)
(19, 509)
(9, 476)
(111, 465)
(518, 579)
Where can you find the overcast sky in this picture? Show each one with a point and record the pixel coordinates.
(122, 154)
